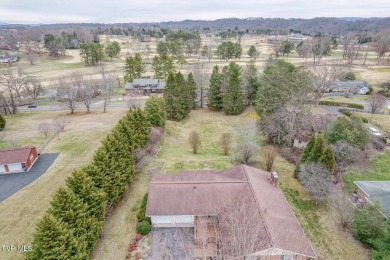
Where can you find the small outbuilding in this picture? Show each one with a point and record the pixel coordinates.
(17, 159)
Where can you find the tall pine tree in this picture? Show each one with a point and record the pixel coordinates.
(214, 95)
(328, 160)
(192, 89)
(318, 149)
(73, 212)
(54, 240)
(233, 99)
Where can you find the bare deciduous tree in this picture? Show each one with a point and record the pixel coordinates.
(342, 207)
(324, 75)
(108, 84)
(381, 44)
(269, 154)
(67, 92)
(226, 142)
(44, 128)
(33, 89)
(316, 180)
(60, 123)
(194, 141)
(248, 141)
(199, 72)
(376, 102)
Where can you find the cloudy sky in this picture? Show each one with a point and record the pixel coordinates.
(114, 11)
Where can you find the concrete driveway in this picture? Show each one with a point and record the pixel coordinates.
(172, 244)
(13, 182)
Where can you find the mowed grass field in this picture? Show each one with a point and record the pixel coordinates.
(20, 212)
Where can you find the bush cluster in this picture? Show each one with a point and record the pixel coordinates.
(370, 228)
(71, 226)
(350, 113)
(141, 213)
(341, 104)
(2, 122)
(317, 151)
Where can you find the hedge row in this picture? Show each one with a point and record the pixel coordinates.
(350, 113)
(71, 226)
(341, 104)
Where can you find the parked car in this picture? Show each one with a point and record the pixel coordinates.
(32, 106)
(374, 132)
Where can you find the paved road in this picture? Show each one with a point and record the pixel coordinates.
(13, 182)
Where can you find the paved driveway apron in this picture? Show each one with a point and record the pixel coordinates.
(13, 182)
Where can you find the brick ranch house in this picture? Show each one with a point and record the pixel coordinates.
(17, 159)
(144, 87)
(230, 214)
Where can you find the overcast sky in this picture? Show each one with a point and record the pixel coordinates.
(114, 11)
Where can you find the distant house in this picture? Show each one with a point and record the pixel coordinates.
(144, 87)
(375, 191)
(350, 86)
(241, 203)
(146, 38)
(8, 59)
(17, 159)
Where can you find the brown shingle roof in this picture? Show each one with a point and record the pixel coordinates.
(205, 193)
(15, 155)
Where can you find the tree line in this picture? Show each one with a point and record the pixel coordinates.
(70, 228)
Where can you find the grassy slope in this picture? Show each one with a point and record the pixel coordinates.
(379, 171)
(120, 228)
(20, 212)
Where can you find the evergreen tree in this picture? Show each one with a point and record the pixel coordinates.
(84, 187)
(319, 148)
(172, 99)
(184, 96)
(155, 111)
(71, 210)
(308, 149)
(54, 240)
(215, 100)
(156, 67)
(2, 122)
(192, 89)
(167, 65)
(134, 68)
(100, 172)
(233, 99)
(328, 160)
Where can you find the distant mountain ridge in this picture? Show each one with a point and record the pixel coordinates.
(319, 25)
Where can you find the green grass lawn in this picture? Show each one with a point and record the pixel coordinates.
(379, 171)
(350, 99)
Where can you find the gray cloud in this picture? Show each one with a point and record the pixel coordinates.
(106, 11)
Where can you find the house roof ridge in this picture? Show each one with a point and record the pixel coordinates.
(15, 148)
(258, 204)
(197, 182)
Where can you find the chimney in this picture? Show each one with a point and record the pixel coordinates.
(274, 178)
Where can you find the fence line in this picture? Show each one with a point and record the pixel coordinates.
(48, 140)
